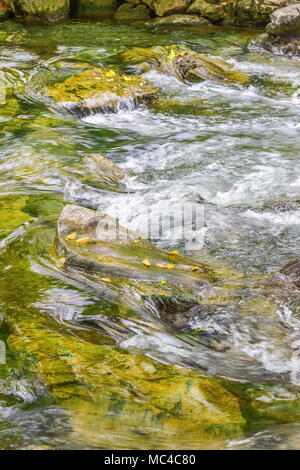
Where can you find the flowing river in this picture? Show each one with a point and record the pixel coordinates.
(233, 151)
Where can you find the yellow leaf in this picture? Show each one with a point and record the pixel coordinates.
(195, 268)
(62, 260)
(170, 266)
(224, 4)
(161, 265)
(146, 262)
(72, 236)
(83, 240)
(171, 56)
(174, 252)
(105, 279)
(110, 74)
(136, 241)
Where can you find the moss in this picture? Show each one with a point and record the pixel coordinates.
(50, 10)
(77, 370)
(101, 89)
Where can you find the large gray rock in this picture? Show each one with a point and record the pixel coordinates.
(285, 21)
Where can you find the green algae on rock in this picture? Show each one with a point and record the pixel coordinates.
(11, 214)
(101, 90)
(78, 372)
(132, 12)
(184, 64)
(35, 10)
(95, 8)
(212, 12)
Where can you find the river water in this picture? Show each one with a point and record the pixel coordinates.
(235, 148)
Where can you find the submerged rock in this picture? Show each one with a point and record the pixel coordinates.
(281, 45)
(102, 171)
(113, 250)
(184, 64)
(34, 10)
(292, 271)
(81, 374)
(101, 90)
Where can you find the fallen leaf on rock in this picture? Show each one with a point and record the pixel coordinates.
(195, 268)
(83, 240)
(174, 252)
(72, 236)
(110, 74)
(146, 262)
(136, 241)
(170, 266)
(62, 260)
(105, 279)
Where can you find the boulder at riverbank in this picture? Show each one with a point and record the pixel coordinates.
(50, 11)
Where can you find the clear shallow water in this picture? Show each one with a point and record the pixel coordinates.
(236, 148)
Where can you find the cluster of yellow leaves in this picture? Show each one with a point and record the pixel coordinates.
(73, 235)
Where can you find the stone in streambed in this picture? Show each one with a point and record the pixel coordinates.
(169, 7)
(93, 377)
(101, 90)
(178, 19)
(292, 271)
(99, 169)
(209, 11)
(96, 8)
(132, 12)
(114, 251)
(40, 10)
(285, 21)
(184, 64)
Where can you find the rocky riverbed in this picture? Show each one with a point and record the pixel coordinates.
(116, 336)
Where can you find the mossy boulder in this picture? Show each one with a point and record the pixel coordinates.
(211, 12)
(132, 12)
(253, 12)
(110, 249)
(82, 374)
(184, 64)
(35, 10)
(101, 90)
(96, 8)
(168, 7)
